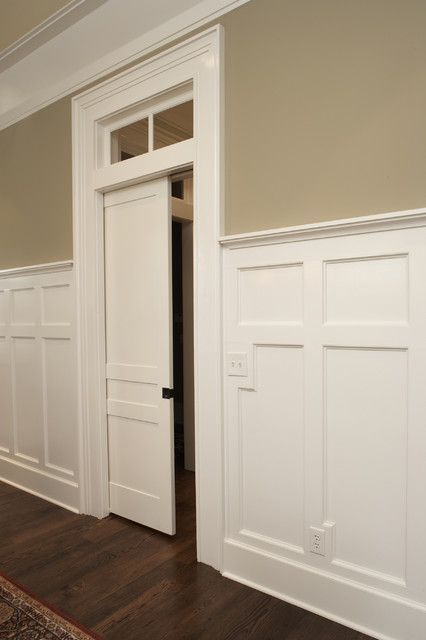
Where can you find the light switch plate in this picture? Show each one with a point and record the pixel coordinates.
(237, 364)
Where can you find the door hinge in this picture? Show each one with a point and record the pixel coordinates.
(168, 393)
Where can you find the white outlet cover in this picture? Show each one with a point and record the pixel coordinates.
(317, 540)
(236, 364)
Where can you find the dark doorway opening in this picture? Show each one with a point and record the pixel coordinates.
(178, 368)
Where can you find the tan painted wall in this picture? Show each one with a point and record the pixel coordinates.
(35, 188)
(335, 125)
(325, 118)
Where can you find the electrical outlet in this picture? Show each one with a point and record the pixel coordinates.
(237, 364)
(317, 540)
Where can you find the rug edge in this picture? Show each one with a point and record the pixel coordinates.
(46, 604)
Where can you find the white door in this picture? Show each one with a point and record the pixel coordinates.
(138, 298)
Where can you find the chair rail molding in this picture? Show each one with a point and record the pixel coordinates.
(55, 69)
(347, 226)
(48, 267)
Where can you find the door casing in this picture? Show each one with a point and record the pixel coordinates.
(196, 62)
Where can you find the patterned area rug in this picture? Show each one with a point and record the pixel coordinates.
(23, 617)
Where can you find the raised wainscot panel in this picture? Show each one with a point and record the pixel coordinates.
(4, 314)
(366, 450)
(24, 306)
(57, 304)
(27, 378)
(5, 396)
(272, 443)
(367, 290)
(61, 436)
(271, 295)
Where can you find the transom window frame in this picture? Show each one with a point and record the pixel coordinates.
(146, 110)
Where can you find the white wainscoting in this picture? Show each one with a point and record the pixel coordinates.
(328, 427)
(38, 406)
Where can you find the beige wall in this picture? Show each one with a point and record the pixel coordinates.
(326, 110)
(325, 118)
(35, 188)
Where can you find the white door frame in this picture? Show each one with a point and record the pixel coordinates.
(198, 61)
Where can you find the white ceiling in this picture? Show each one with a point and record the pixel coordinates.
(110, 36)
(20, 16)
(25, 25)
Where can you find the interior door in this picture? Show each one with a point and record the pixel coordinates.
(139, 353)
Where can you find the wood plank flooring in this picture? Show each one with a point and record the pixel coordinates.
(128, 582)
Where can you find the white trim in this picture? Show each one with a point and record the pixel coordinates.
(38, 471)
(32, 270)
(198, 60)
(46, 30)
(43, 496)
(303, 605)
(344, 227)
(330, 596)
(43, 460)
(22, 96)
(384, 601)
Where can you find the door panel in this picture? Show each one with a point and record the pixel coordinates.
(139, 354)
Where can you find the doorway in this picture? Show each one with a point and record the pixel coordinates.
(190, 69)
(149, 348)
(183, 321)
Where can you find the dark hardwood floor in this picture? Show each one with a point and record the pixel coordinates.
(128, 582)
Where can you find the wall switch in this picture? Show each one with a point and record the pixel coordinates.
(317, 540)
(237, 364)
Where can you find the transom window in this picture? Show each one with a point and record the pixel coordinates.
(154, 131)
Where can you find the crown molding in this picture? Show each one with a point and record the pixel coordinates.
(46, 30)
(59, 68)
(36, 269)
(349, 226)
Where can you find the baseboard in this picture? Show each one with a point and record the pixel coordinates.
(370, 611)
(59, 491)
